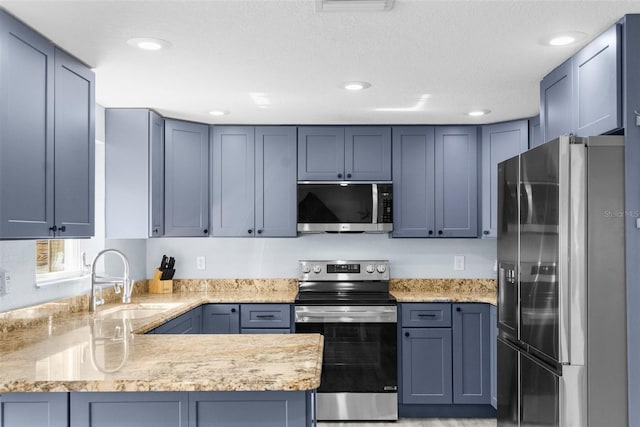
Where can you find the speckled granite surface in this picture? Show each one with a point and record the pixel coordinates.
(59, 346)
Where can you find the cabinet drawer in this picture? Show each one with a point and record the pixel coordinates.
(265, 316)
(429, 315)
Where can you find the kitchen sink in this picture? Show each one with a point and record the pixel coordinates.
(137, 311)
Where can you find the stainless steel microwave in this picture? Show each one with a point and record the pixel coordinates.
(343, 207)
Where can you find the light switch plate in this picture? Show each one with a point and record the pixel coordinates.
(458, 262)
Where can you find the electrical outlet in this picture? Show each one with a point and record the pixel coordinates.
(458, 262)
(5, 282)
(201, 263)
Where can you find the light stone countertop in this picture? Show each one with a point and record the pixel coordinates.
(58, 346)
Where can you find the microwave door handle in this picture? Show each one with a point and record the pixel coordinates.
(374, 196)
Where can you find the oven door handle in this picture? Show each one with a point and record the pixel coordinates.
(377, 315)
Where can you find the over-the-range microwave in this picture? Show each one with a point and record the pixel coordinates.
(343, 207)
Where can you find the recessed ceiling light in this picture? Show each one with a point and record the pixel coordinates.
(148, 43)
(218, 112)
(478, 113)
(563, 39)
(355, 86)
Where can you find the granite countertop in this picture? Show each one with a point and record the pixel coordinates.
(85, 352)
(59, 346)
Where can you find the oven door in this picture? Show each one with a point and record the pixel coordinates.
(359, 369)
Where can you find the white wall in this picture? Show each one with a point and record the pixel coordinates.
(278, 257)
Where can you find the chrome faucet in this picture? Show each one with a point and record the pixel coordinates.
(124, 282)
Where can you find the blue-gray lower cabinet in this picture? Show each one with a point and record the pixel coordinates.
(133, 409)
(493, 347)
(187, 323)
(248, 409)
(34, 409)
(221, 319)
(426, 366)
(471, 355)
(261, 318)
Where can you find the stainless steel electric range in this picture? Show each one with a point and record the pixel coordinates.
(349, 303)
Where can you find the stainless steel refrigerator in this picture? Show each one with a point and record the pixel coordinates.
(561, 285)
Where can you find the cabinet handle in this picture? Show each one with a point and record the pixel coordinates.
(259, 231)
(406, 334)
(430, 232)
(440, 232)
(233, 310)
(205, 231)
(458, 309)
(265, 316)
(485, 232)
(62, 229)
(54, 228)
(249, 231)
(348, 175)
(339, 175)
(426, 315)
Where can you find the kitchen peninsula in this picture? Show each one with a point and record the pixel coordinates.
(80, 369)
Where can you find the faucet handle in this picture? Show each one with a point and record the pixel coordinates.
(117, 288)
(86, 266)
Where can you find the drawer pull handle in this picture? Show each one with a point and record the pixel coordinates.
(427, 315)
(265, 316)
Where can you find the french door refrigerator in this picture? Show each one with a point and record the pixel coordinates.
(561, 285)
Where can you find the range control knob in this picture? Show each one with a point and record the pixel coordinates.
(381, 268)
(306, 269)
(317, 269)
(370, 268)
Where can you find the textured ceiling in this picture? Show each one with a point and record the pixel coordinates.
(471, 54)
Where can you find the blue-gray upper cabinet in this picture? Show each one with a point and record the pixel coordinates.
(413, 181)
(435, 181)
(471, 354)
(134, 169)
(186, 179)
(34, 409)
(597, 82)
(74, 158)
(46, 138)
(556, 102)
(535, 132)
(456, 203)
(499, 142)
(254, 181)
(221, 319)
(332, 153)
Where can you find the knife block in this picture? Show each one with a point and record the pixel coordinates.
(157, 286)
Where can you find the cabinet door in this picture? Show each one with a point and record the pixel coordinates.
(186, 179)
(493, 348)
(413, 181)
(221, 319)
(26, 131)
(456, 199)
(156, 175)
(597, 81)
(94, 409)
(233, 181)
(556, 102)
(535, 132)
(499, 142)
(367, 155)
(426, 366)
(187, 323)
(320, 153)
(75, 141)
(471, 354)
(34, 409)
(276, 168)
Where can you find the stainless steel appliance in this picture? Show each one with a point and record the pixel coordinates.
(561, 285)
(348, 302)
(345, 207)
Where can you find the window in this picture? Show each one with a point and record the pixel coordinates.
(58, 259)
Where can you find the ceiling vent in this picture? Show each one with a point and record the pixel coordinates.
(353, 5)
